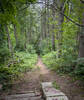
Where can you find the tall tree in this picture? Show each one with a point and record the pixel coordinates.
(15, 34)
(81, 35)
(60, 5)
(53, 27)
(9, 40)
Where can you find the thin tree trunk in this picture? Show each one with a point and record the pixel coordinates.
(60, 22)
(42, 36)
(53, 28)
(15, 34)
(9, 40)
(81, 40)
(48, 26)
(25, 44)
(30, 30)
(45, 28)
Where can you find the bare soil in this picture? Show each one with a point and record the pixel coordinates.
(31, 82)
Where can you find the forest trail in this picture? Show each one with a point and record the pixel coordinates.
(43, 69)
(31, 81)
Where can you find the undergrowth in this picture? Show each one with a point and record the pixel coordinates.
(65, 64)
(55, 85)
(14, 67)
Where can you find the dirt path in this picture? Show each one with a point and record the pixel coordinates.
(32, 80)
(43, 69)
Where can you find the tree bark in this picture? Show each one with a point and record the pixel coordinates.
(45, 28)
(48, 27)
(60, 20)
(81, 40)
(53, 28)
(9, 40)
(42, 35)
(15, 34)
(30, 30)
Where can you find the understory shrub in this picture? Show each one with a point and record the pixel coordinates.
(63, 64)
(24, 61)
(5, 75)
(4, 53)
(43, 47)
(14, 67)
(79, 70)
(66, 64)
(50, 60)
(30, 49)
(20, 46)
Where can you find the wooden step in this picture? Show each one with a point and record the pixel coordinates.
(23, 98)
(28, 95)
(50, 93)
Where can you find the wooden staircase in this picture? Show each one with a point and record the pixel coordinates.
(48, 93)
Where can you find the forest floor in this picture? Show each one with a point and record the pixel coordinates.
(31, 81)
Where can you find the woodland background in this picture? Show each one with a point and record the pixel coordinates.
(53, 29)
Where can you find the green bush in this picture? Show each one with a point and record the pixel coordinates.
(20, 63)
(64, 64)
(26, 61)
(43, 48)
(79, 70)
(30, 49)
(50, 60)
(67, 63)
(4, 53)
(5, 75)
(20, 46)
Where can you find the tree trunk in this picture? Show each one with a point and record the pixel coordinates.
(60, 20)
(30, 30)
(53, 32)
(45, 28)
(42, 35)
(81, 40)
(9, 41)
(48, 26)
(15, 34)
(25, 44)
(48, 18)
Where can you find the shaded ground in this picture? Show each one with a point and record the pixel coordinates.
(32, 80)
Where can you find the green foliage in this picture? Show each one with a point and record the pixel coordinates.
(56, 85)
(25, 58)
(65, 64)
(30, 40)
(21, 62)
(43, 47)
(30, 49)
(9, 9)
(5, 75)
(79, 70)
(4, 53)
(20, 46)
(50, 60)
